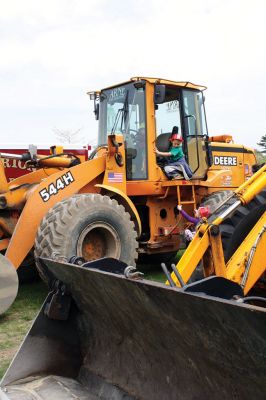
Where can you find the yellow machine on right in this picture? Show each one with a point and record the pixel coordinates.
(244, 259)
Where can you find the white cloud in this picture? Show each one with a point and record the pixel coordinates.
(54, 51)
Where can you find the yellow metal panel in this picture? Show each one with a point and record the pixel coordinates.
(258, 266)
(127, 203)
(237, 264)
(115, 174)
(144, 188)
(218, 255)
(16, 198)
(162, 82)
(33, 177)
(43, 198)
(216, 178)
(260, 174)
(253, 186)
(158, 222)
(192, 256)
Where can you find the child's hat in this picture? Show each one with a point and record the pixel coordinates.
(176, 136)
(204, 212)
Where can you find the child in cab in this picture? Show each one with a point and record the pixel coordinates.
(176, 162)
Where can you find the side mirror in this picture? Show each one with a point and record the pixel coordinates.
(159, 94)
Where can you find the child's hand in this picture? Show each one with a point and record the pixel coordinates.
(155, 150)
(179, 207)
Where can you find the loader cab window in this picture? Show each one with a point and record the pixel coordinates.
(183, 108)
(194, 113)
(195, 130)
(168, 113)
(122, 111)
(189, 104)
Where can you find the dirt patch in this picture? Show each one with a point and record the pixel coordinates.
(8, 354)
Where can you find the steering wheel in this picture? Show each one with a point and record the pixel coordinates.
(133, 130)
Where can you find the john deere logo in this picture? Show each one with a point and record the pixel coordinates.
(224, 160)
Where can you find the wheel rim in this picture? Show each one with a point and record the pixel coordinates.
(98, 240)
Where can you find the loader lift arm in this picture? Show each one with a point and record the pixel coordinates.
(247, 263)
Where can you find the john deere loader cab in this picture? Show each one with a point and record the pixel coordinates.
(122, 111)
(183, 109)
(145, 112)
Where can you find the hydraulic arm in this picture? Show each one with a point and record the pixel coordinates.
(247, 263)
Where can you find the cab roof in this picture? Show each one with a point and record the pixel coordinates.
(162, 82)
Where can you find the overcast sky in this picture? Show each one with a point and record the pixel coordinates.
(53, 51)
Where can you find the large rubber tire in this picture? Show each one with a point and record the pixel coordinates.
(214, 200)
(243, 229)
(91, 226)
(242, 219)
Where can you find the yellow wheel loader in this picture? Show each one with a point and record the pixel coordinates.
(105, 333)
(120, 203)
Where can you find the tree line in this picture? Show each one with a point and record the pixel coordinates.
(261, 153)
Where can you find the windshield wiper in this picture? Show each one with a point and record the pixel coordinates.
(123, 112)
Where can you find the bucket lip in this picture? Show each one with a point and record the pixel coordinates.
(58, 269)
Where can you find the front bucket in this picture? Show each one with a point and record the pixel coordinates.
(136, 339)
(8, 284)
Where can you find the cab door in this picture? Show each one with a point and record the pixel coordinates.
(195, 131)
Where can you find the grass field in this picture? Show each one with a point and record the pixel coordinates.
(15, 323)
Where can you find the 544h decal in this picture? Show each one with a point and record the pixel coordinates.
(54, 187)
